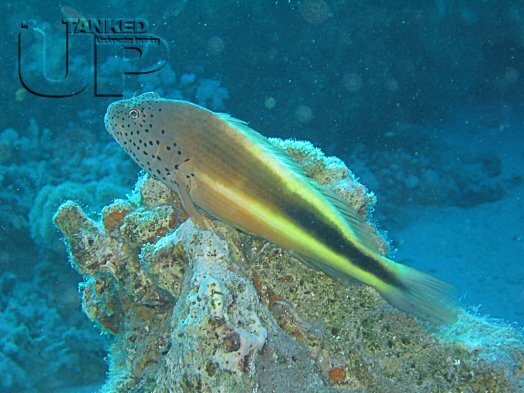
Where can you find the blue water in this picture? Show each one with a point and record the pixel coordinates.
(423, 102)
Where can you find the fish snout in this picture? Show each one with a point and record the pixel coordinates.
(113, 115)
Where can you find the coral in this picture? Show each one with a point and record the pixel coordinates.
(209, 93)
(44, 343)
(221, 311)
(49, 197)
(35, 178)
(414, 168)
(37, 344)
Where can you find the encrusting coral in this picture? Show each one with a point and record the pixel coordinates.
(221, 311)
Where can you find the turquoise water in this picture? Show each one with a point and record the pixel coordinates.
(423, 102)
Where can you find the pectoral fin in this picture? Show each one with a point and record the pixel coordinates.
(184, 179)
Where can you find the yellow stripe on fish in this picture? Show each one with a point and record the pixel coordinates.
(219, 164)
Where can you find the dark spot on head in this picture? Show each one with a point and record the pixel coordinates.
(179, 153)
(151, 143)
(157, 142)
(163, 131)
(158, 171)
(176, 166)
(168, 147)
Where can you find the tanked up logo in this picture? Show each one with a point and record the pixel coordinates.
(98, 52)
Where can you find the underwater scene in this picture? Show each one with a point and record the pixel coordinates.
(262, 196)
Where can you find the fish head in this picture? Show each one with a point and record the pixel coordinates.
(148, 129)
(124, 118)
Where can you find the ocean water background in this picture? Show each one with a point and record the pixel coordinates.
(422, 101)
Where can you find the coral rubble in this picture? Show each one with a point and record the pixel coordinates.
(222, 311)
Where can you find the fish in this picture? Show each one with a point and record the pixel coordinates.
(218, 164)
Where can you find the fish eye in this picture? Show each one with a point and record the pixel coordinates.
(134, 113)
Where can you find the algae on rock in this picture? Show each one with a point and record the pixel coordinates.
(222, 311)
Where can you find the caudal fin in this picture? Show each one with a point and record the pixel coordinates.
(421, 295)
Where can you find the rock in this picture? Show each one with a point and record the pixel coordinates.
(221, 311)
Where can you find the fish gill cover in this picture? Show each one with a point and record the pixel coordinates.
(423, 102)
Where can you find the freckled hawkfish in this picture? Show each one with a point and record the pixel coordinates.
(217, 163)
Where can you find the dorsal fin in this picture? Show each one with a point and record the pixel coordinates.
(362, 229)
(262, 141)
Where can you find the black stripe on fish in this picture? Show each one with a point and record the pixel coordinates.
(320, 228)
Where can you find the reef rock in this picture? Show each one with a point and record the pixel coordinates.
(222, 311)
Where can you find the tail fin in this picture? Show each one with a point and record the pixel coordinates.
(420, 294)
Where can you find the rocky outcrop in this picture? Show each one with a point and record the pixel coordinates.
(222, 311)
